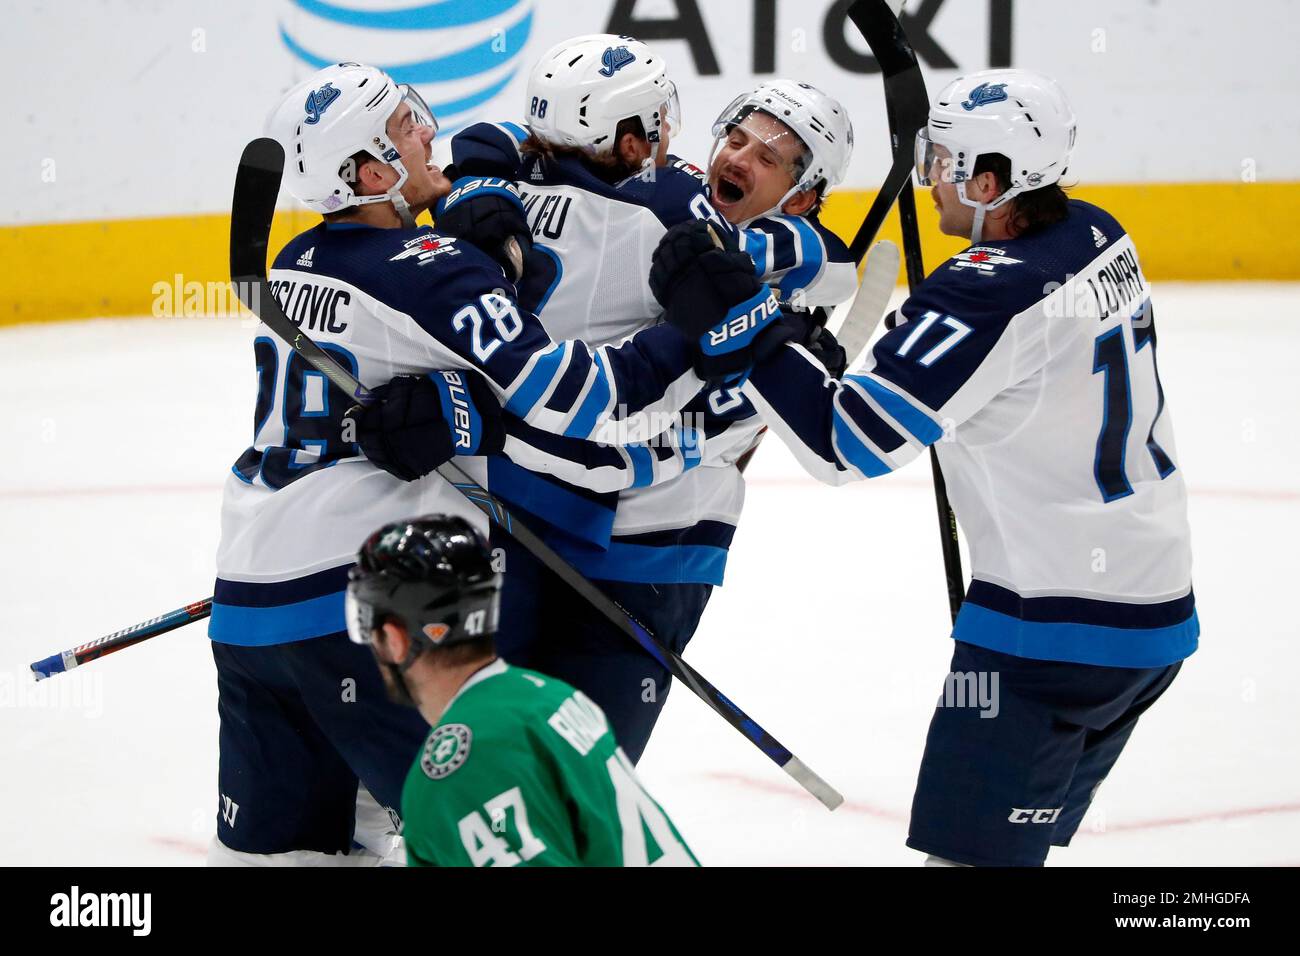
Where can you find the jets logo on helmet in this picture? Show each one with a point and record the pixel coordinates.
(615, 58)
(318, 101)
(581, 89)
(360, 100)
(985, 94)
(1018, 114)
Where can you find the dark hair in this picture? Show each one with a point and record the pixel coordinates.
(1032, 210)
(608, 166)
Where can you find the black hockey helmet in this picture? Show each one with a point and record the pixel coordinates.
(434, 574)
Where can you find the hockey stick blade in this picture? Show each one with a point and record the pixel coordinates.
(868, 307)
(265, 160)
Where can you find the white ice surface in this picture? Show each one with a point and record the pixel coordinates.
(831, 630)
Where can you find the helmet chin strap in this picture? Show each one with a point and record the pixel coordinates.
(977, 227)
(400, 205)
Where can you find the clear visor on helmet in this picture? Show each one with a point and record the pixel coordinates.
(933, 161)
(421, 115)
(746, 121)
(360, 618)
(671, 112)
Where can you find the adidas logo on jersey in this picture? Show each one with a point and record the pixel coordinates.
(304, 260)
(1098, 237)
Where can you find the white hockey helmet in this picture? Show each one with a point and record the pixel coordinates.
(1020, 114)
(581, 89)
(333, 115)
(817, 120)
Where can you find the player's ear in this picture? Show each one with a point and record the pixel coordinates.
(394, 642)
(370, 177)
(800, 202)
(632, 150)
(985, 187)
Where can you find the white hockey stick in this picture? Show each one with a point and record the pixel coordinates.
(878, 278)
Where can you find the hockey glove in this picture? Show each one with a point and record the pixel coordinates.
(488, 213)
(712, 296)
(419, 422)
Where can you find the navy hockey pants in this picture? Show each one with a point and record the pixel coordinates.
(301, 723)
(1011, 766)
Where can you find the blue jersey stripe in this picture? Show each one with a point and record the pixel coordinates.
(642, 464)
(681, 564)
(544, 372)
(1076, 610)
(257, 626)
(810, 245)
(1078, 643)
(901, 410)
(854, 451)
(597, 398)
(272, 593)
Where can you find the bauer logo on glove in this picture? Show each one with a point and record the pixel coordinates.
(742, 325)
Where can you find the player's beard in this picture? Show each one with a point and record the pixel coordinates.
(395, 684)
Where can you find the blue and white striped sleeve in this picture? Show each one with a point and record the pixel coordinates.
(805, 264)
(951, 357)
(617, 395)
(602, 467)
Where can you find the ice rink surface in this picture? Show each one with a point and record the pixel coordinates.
(831, 629)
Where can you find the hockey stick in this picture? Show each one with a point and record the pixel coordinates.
(257, 185)
(868, 306)
(907, 109)
(103, 646)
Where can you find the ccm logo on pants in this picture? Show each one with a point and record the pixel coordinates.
(1033, 816)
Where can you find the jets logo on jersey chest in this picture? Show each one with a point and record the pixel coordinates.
(984, 258)
(445, 751)
(426, 247)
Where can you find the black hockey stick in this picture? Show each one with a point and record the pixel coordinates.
(907, 108)
(103, 646)
(257, 185)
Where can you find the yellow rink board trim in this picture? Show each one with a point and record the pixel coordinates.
(165, 265)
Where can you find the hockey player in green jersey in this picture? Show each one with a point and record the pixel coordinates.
(520, 768)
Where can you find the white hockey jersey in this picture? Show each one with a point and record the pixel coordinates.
(1031, 365)
(589, 281)
(300, 501)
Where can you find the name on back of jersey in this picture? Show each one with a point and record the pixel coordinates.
(313, 306)
(579, 721)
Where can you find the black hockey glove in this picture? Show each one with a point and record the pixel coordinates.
(712, 296)
(826, 349)
(488, 213)
(419, 422)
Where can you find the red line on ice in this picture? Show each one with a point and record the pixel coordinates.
(896, 816)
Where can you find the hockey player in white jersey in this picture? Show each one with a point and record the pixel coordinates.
(302, 715)
(597, 202)
(1029, 361)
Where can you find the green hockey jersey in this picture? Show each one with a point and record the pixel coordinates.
(524, 770)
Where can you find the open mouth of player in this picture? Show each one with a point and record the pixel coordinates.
(730, 192)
